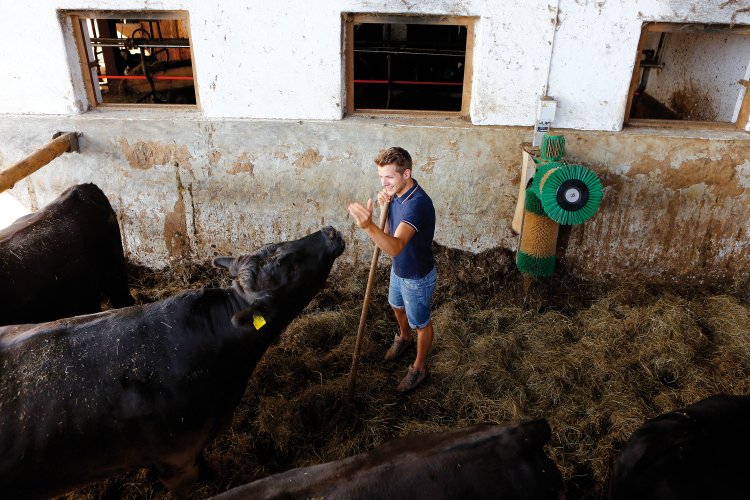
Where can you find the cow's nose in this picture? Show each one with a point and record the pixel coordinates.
(330, 232)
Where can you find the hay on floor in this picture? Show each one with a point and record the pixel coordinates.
(596, 361)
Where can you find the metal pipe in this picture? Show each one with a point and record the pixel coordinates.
(410, 52)
(552, 47)
(131, 43)
(150, 80)
(390, 84)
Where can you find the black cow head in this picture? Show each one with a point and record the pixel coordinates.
(282, 278)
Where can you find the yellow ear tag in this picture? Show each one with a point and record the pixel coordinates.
(258, 321)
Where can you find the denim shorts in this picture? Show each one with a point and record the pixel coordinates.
(413, 295)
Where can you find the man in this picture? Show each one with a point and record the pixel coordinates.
(411, 227)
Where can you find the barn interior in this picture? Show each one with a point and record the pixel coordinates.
(215, 131)
(678, 80)
(139, 60)
(409, 66)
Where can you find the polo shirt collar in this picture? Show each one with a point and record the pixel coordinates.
(407, 195)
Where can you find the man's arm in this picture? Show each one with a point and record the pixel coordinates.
(392, 245)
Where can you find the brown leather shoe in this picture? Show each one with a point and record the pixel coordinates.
(413, 378)
(397, 349)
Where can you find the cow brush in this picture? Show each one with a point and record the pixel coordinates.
(570, 194)
(559, 194)
(538, 240)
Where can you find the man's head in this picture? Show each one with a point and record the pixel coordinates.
(394, 168)
(398, 157)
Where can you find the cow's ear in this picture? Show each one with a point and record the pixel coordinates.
(224, 262)
(253, 317)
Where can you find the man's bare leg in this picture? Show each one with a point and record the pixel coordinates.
(403, 323)
(424, 342)
(424, 337)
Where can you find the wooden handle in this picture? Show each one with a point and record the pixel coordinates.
(365, 307)
(36, 160)
(517, 223)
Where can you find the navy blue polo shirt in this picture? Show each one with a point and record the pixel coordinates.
(415, 208)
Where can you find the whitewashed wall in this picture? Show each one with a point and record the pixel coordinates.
(283, 59)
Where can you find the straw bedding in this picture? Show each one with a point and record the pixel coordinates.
(595, 359)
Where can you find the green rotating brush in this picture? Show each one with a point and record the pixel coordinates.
(570, 194)
(559, 194)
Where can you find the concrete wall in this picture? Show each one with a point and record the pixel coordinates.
(675, 206)
(269, 155)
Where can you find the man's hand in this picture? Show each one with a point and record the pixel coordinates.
(392, 245)
(383, 197)
(362, 215)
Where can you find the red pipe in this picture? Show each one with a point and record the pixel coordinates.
(143, 77)
(411, 83)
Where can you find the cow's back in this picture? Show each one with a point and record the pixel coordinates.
(57, 262)
(697, 452)
(87, 398)
(478, 462)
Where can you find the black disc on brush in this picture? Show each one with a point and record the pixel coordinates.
(572, 195)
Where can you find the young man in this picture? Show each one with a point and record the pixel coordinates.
(411, 227)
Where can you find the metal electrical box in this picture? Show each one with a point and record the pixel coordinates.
(545, 115)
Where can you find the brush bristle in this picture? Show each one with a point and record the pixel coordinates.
(549, 194)
(538, 244)
(553, 147)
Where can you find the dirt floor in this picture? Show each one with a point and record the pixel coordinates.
(595, 359)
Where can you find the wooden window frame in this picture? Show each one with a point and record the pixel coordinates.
(350, 19)
(76, 16)
(719, 29)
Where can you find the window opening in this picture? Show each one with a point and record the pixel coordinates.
(136, 58)
(691, 75)
(409, 63)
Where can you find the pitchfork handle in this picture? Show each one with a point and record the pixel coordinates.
(365, 306)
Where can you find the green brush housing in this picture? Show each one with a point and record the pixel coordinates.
(553, 147)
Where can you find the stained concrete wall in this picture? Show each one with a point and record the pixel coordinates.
(675, 207)
(269, 155)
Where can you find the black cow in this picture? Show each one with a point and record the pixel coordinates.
(57, 262)
(479, 462)
(698, 452)
(87, 398)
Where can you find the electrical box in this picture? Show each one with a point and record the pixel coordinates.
(545, 115)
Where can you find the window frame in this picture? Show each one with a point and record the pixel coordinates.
(718, 29)
(350, 19)
(82, 48)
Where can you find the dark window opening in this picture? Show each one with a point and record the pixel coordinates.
(409, 66)
(136, 59)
